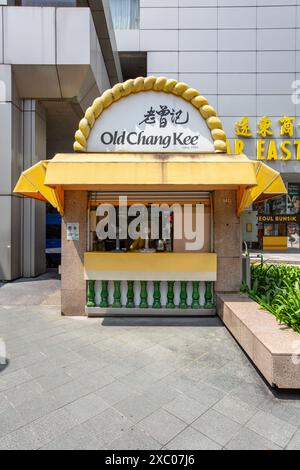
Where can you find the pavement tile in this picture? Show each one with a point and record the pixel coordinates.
(274, 429)
(294, 443)
(115, 392)
(133, 439)
(136, 407)
(162, 426)
(185, 408)
(23, 392)
(86, 407)
(21, 439)
(235, 409)
(287, 411)
(108, 425)
(10, 420)
(216, 426)
(78, 438)
(52, 425)
(191, 439)
(246, 439)
(13, 379)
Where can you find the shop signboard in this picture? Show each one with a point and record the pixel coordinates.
(150, 122)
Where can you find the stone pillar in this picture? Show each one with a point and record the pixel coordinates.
(227, 241)
(73, 285)
(34, 212)
(11, 138)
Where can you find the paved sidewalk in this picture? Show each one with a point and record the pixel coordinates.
(78, 383)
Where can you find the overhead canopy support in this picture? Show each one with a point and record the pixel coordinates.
(47, 180)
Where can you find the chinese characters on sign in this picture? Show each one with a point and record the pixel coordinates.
(268, 149)
(264, 127)
(164, 114)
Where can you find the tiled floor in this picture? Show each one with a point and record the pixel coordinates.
(77, 383)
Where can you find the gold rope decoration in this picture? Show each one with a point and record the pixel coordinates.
(139, 84)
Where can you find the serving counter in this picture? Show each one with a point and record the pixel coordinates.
(150, 283)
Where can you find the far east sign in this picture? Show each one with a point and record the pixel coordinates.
(150, 122)
(276, 139)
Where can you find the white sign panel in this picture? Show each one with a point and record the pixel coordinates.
(150, 122)
(73, 231)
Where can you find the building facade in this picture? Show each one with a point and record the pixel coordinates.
(243, 55)
(56, 57)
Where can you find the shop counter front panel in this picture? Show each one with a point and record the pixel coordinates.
(136, 283)
(188, 266)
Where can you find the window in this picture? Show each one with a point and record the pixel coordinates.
(125, 13)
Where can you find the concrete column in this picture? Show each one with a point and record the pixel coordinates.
(23, 143)
(11, 151)
(73, 285)
(227, 241)
(34, 212)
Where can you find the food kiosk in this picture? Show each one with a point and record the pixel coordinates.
(149, 146)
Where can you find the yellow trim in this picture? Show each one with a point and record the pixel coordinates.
(143, 84)
(150, 266)
(275, 243)
(150, 170)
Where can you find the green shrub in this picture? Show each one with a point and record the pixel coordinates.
(276, 287)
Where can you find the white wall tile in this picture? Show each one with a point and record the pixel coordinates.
(159, 18)
(162, 40)
(198, 18)
(297, 38)
(73, 35)
(158, 3)
(276, 17)
(239, 40)
(162, 62)
(236, 3)
(128, 39)
(239, 83)
(198, 40)
(281, 61)
(276, 39)
(198, 3)
(197, 62)
(237, 105)
(206, 83)
(29, 35)
(232, 18)
(275, 106)
(237, 62)
(273, 84)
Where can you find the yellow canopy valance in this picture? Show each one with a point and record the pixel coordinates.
(47, 180)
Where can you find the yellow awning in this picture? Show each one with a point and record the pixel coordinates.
(48, 179)
(32, 184)
(269, 185)
(124, 169)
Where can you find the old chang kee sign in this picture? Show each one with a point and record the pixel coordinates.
(151, 122)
